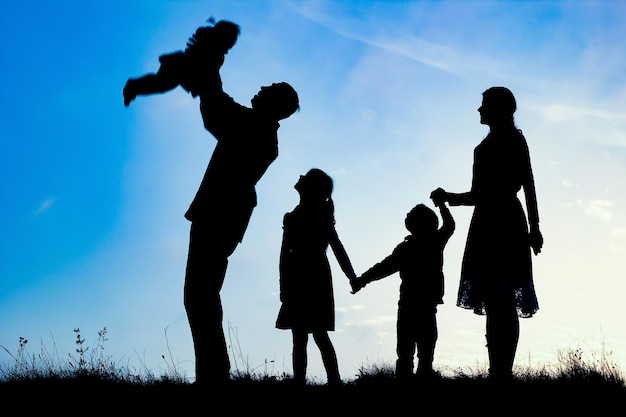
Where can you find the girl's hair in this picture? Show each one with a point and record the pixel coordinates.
(320, 186)
(321, 183)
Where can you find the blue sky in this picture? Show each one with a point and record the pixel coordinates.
(93, 193)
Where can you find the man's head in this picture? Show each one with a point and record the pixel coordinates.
(278, 101)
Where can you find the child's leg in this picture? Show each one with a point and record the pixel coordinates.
(168, 77)
(129, 91)
(426, 340)
(150, 84)
(329, 357)
(299, 356)
(405, 344)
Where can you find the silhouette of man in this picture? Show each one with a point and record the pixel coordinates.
(247, 143)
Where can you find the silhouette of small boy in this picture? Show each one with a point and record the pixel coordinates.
(204, 55)
(419, 260)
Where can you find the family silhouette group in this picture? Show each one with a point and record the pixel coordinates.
(496, 274)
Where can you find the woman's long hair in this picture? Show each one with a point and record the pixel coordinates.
(501, 102)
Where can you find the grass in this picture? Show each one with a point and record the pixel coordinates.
(88, 379)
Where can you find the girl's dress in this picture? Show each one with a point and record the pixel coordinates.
(306, 288)
(497, 260)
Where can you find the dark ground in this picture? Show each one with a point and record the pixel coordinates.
(440, 395)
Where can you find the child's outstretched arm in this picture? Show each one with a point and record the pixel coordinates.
(382, 269)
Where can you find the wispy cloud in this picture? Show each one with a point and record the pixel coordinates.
(445, 57)
(598, 209)
(568, 184)
(560, 112)
(618, 249)
(619, 231)
(44, 206)
(377, 320)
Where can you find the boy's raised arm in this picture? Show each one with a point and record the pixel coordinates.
(448, 221)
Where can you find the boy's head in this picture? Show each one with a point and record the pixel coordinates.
(421, 219)
(278, 101)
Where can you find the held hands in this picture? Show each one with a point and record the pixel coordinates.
(357, 284)
(439, 196)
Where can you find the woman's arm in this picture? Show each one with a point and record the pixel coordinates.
(536, 238)
(441, 196)
(460, 199)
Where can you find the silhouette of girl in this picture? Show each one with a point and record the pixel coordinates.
(496, 274)
(306, 289)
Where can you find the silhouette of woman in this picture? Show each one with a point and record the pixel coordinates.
(306, 289)
(496, 274)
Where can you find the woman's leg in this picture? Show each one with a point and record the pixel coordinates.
(502, 338)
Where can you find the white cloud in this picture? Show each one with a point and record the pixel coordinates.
(373, 321)
(598, 209)
(445, 57)
(563, 112)
(619, 231)
(568, 184)
(618, 249)
(44, 206)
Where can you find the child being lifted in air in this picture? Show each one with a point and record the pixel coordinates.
(202, 58)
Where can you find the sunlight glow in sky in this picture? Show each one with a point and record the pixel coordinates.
(93, 193)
